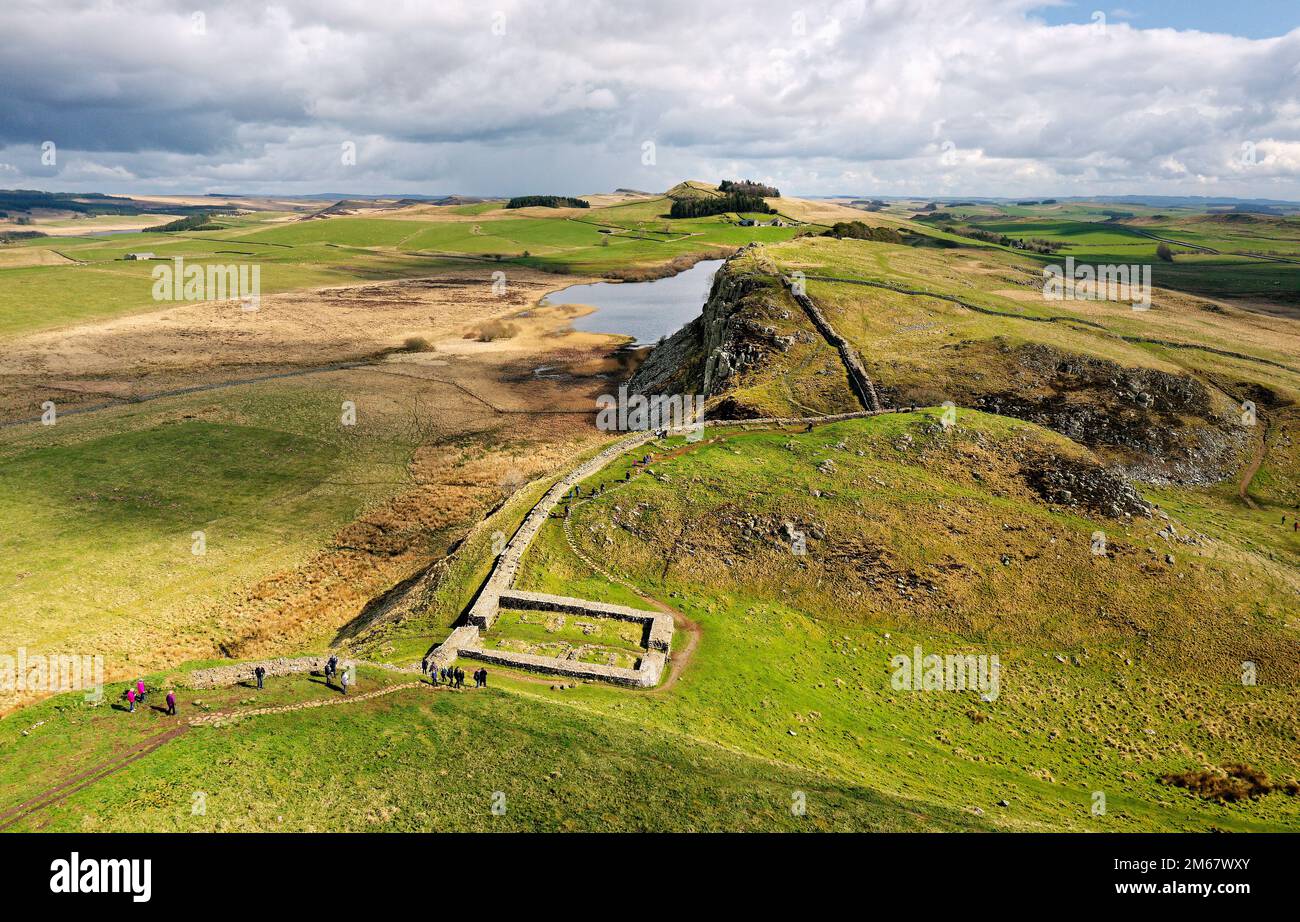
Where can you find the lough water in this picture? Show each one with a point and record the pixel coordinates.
(644, 310)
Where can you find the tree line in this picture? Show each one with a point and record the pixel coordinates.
(856, 230)
(704, 207)
(546, 201)
(748, 187)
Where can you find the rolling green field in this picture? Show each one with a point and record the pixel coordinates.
(795, 657)
(425, 760)
(102, 511)
(1119, 671)
(789, 689)
(1218, 255)
(98, 284)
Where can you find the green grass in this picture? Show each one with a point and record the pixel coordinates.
(337, 251)
(422, 760)
(805, 646)
(549, 635)
(1230, 274)
(1115, 670)
(102, 509)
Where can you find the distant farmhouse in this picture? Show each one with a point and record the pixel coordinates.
(133, 256)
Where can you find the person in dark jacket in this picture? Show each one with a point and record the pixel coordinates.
(260, 673)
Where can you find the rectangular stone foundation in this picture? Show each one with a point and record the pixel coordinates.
(660, 625)
(646, 675)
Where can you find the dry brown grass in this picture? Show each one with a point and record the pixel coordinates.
(1231, 783)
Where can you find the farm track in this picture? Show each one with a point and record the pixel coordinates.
(89, 776)
(1256, 461)
(1210, 251)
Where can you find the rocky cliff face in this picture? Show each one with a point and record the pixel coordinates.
(729, 336)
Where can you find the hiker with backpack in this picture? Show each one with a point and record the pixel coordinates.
(259, 673)
(344, 679)
(139, 690)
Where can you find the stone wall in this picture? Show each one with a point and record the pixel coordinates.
(467, 635)
(485, 608)
(646, 675)
(496, 592)
(660, 624)
(858, 378)
(220, 676)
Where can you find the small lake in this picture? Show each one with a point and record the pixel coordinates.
(644, 310)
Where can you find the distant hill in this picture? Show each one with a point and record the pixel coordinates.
(690, 189)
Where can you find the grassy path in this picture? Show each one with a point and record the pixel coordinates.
(89, 776)
(97, 773)
(678, 659)
(1256, 461)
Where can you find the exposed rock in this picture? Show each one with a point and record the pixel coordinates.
(1082, 485)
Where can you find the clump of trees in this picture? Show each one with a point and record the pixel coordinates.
(732, 201)
(546, 201)
(195, 222)
(748, 187)
(1032, 244)
(856, 230)
(1164, 253)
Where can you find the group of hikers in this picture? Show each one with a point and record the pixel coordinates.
(575, 491)
(345, 677)
(452, 676)
(139, 693)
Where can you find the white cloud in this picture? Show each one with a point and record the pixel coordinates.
(865, 92)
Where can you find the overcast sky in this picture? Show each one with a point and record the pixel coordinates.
(886, 97)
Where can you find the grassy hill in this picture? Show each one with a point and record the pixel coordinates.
(1121, 662)
(1135, 677)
